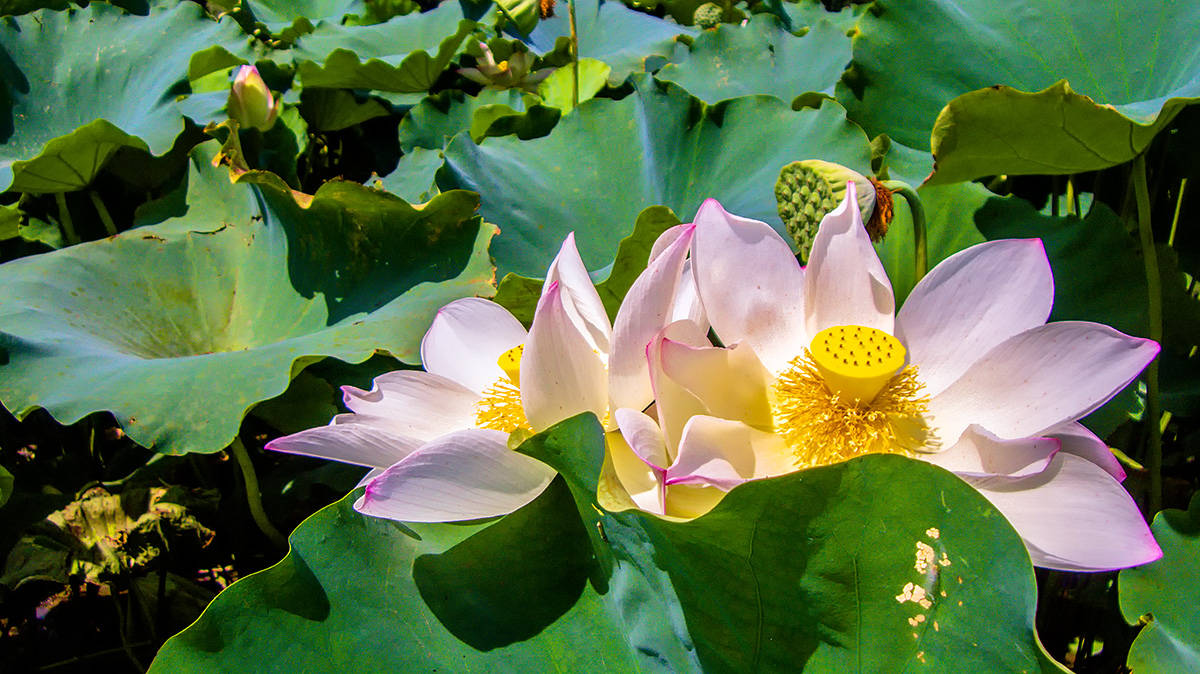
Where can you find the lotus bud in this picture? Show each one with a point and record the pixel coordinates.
(251, 102)
(807, 190)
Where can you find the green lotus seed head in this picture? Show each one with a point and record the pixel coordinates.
(708, 15)
(807, 190)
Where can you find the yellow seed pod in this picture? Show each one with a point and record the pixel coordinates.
(510, 362)
(855, 361)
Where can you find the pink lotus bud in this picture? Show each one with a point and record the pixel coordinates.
(251, 102)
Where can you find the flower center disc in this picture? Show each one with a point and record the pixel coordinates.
(856, 361)
(850, 394)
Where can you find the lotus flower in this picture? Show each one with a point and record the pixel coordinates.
(818, 368)
(513, 73)
(251, 102)
(438, 439)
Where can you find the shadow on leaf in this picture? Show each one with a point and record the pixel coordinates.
(512, 580)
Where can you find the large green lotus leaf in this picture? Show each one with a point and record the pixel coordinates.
(912, 57)
(524, 13)
(606, 161)
(1000, 130)
(881, 563)
(178, 333)
(277, 14)
(80, 84)
(436, 119)
(808, 12)
(520, 294)
(761, 57)
(403, 55)
(413, 177)
(358, 593)
(1168, 590)
(15, 7)
(208, 195)
(610, 32)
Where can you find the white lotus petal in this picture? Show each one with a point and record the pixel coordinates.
(466, 339)
(415, 404)
(845, 283)
(462, 476)
(561, 374)
(350, 441)
(972, 301)
(1073, 516)
(1040, 379)
(750, 284)
(646, 309)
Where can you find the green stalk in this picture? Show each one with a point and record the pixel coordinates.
(1154, 290)
(109, 225)
(574, 55)
(253, 496)
(1072, 197)
(64, 218)
(920, 241)
(1178, 207)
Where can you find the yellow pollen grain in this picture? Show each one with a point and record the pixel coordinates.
(822, 428)
(500, 408)
(933, 533)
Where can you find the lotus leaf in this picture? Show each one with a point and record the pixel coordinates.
(658, 146)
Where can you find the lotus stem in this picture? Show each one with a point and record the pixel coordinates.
(574, 55)
(1141, 191)
(1178, 207)
(920, 240)
(109, 225)
(1072, 197)
(121, 631)
(253, 496)
(64, 218)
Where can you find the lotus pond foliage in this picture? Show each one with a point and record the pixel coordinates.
(605, 335)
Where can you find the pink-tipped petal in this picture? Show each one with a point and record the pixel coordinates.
(750, 284)
(646, 309)
(561, 373)
(723, 453)
(1039, 379)
(980, 453)
(729, 382)
(845, 283)
(687, 305)
(462, 476)
(580, 299)
(466, 339)
(350, 441)
(664, 240)
(972, 301)
(415, 404)
(643, 482)
(644, 437)
(673, 403)
(1073, 516)
(1078, 440)
(371, 475)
